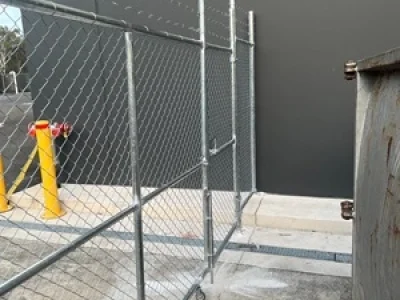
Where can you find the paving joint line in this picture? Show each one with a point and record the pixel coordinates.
(338, 257)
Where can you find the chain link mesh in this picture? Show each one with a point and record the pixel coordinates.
(244, 119)
(76, 74)
(173, 227)
(101, 269)
(168, 99)
(220, 133)
(71, 70)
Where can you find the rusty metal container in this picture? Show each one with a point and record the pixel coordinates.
(376, 252)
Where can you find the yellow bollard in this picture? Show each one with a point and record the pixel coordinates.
(22, 174)
(52, 205)
(4, 205)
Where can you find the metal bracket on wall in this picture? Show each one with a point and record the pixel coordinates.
(347, 210)
(350, 70)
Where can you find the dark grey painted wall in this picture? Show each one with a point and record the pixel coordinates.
(305, 110)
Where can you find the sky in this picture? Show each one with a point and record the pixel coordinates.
(10, 16)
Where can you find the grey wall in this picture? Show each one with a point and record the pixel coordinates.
(305, 110)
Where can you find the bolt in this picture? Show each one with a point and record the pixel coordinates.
(350, 70)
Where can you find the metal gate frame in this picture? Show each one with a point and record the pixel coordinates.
(241, 195)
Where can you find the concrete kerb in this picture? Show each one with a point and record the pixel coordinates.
(296, 213)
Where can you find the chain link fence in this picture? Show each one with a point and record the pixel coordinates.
(244, 135)
(127, 157)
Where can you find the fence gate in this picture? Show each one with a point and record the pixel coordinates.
(152, 158)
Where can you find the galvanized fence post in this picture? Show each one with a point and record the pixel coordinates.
(236, 186)
(133, 131)
(207, 200)
(252, 101)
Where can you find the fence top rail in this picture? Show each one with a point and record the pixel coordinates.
(93, 17)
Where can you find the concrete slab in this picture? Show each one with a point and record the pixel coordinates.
(250, 211)
(296, 213)
(83, 221)
(183, 239)
(97, 274)
(296, 264)
(172, 204)
(234, 282)
(162, 219)
(244, 234)
(263, 210)
(109, 273)
(191, 229)
(319, 241)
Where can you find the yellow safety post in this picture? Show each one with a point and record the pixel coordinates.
(4, 204)
(52, 205)
(22, 174)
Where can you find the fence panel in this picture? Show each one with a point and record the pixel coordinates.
(140, 147)
(168, 93)
(169, 135)
(76, 75)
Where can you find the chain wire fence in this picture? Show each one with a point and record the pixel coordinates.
(118, 166)
(244, 119)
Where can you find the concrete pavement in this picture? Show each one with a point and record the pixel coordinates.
(303, 264)
(297, 213)
(100, 273)
(244, 282)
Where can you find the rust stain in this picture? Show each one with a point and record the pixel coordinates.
(395, 229)
(376, 63)
(389, 185)
(374, 232)
(389, 150)
(395, 263)
(377, 88)
(189, 235)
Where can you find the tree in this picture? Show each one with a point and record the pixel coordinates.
(12, 53)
